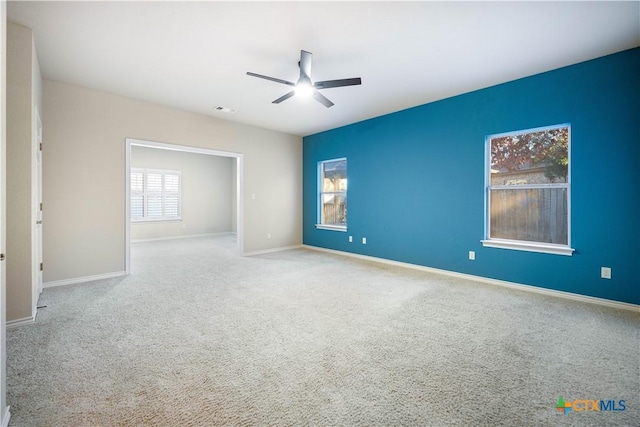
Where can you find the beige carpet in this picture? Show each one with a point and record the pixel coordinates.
(198, 336)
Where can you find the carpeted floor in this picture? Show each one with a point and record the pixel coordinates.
(198, 336)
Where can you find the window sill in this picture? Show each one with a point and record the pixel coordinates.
(519, 245)
(342, 228)
(154, 221)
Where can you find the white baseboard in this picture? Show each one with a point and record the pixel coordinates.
(268, 251)
(30, 320)
(155, 239)
(6, 416)
(496, 282)
(75, 280)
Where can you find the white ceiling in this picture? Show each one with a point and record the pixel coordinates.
(194, 55)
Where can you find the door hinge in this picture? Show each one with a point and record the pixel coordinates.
(41, 206)
(41, 146)
(41, 266)
(1, 257)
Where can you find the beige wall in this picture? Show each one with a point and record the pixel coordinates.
(23, 84)
(84, 175)
(206, 193)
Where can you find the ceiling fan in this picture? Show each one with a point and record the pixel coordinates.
(304, 86)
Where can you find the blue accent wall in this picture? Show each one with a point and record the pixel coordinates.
(416, 179)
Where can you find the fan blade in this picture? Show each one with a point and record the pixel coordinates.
(305, 63)
(337, 83)
(273, 79)
(284, 97)
(322, 99)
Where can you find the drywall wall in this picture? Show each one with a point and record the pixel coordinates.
(416, 179)
(84, 175)
(206, 193)
(23, 97)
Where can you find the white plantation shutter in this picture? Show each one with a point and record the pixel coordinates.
(154, 206)
(154, 182)
(172, 182)
(171, 194)
(155, 195)
(137, 195)
(137, 206)
(137, 182)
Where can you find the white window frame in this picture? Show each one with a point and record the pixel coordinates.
(163, 192)
(521, 245)
(321, 193)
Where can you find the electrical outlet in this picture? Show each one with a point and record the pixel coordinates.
(472, 255)
(268, 235)
(605, 272)
(350, 239)
(253, 196)
(364, 240)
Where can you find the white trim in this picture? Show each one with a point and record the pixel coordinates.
(65, 282)
(268, 251)
(36, 193)
(21, 322)
(518, 286)
(4, 408)
(529, 186)
(183, 148)
(129, 142)
(342, 228)
(530, 130)
(181, 237)
(6, 416)
(519, 245)
(155, 221)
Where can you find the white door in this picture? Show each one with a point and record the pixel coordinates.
(38, 207)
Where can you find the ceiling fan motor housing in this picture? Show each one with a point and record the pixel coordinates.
(305, 84)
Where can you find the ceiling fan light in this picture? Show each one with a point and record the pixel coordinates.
(304, 90)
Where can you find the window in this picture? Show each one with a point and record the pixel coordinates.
(332, 203)
(528, 190)
(155, 195)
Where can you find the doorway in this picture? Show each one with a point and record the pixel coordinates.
(238, 187)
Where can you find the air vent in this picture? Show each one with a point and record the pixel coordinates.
(224, 109)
